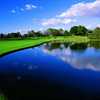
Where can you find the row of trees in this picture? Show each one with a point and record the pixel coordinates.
(32, 33)
(75, 30)
(19, 35)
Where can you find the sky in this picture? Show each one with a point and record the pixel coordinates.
(25, 15)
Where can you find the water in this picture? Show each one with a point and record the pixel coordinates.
(52, 70)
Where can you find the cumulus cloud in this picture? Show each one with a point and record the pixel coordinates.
(80, 9)
(56, 21)
(98, 25)
(13, 11)
(22, 9)
(26, 7)
(30, 6)
(83, 9)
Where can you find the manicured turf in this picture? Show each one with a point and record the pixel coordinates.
(7, 46)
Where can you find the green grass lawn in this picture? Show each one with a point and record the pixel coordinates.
(7, 46)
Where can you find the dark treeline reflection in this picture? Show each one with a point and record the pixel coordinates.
(56, 45)
(73, 46)
(95, 44)
(80, 46)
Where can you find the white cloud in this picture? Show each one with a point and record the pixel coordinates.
(98, 25)
(22, 9)
(83, 9)
(27, 7)
(56, 21)
(30, 6)
(13, 11)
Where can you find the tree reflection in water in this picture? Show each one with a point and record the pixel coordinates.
(80, 55)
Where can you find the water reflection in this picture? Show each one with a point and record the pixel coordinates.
(55, 45)
(31, 67)
(95, 44)
(79, 46)
(55, 70)
(80, 56)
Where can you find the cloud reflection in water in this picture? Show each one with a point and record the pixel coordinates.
(88, 59)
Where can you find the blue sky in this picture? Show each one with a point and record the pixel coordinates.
(24, 15)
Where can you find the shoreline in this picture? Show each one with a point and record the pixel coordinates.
(9, 46)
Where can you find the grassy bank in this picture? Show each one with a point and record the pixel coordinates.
(7, 46)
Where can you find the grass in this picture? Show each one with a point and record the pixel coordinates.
(2, 97)
(7, 46)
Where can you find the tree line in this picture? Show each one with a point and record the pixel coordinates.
(75, 30)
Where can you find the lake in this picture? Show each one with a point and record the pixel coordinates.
(52, 70)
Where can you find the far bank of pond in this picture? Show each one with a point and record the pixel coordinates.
(7, 46)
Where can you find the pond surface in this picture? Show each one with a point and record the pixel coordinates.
(52, 70)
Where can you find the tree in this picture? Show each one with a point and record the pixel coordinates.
(61, 31)
(18, 34)
(39, 34)
(54, 32)
(74, 30)
(2, 35)
(79, 30)
(95, 34)
(66, 33)
(90, 31)
(31, 33)
(82, 30)
(25, 35)
(14, 35)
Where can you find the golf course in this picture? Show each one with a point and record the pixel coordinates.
(7, 46)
